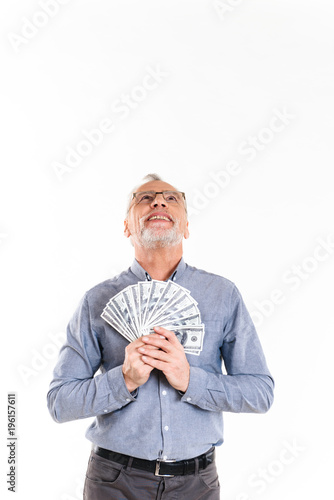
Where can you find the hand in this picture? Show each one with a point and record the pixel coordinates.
(163, 351)
(135, 371)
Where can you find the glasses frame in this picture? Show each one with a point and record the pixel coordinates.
(134, 195)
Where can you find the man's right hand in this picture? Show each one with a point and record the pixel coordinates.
(135, 371)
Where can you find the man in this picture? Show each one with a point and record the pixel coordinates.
(158, 409)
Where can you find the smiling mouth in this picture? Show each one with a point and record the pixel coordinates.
(159, 217)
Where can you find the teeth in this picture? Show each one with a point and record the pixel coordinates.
(159, 217)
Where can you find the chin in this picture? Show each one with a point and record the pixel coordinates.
(150, 239)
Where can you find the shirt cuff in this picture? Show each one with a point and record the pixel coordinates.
(118, 387)
(197, 385)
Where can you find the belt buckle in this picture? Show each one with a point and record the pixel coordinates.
(157, 468)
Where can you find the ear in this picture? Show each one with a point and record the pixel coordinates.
(127, 233)
(186, 231)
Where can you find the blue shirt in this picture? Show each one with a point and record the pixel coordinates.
(156, 420)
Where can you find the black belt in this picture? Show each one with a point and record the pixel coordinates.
(160, 467)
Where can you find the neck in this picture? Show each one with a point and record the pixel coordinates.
(159, 263)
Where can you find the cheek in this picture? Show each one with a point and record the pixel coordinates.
(135, 223)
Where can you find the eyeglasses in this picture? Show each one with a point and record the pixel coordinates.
(147, 197)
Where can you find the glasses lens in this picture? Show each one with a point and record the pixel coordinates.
(172, 196)
(149, 196)
(145, 197)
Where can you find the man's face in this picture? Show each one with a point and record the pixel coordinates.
(159, 223)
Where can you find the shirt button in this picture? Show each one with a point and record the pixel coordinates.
(188, 399)
(164, 393)
(128, 400)
(105, 411)
(165, 457)
(166, 427)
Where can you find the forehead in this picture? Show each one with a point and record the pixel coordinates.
(156, 186)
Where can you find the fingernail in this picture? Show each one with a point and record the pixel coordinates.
(145, 339)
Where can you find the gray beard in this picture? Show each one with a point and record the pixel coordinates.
(149, 238)
(169, 238)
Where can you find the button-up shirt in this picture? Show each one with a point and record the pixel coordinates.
(156, 420)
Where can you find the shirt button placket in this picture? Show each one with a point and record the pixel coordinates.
(165, 418)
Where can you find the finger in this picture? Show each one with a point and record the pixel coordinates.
(147, 348)
(153, 336)
(133, 346)
(168, 334)
(155, 363)
(158, 342)
(154, 354)
(163, 331)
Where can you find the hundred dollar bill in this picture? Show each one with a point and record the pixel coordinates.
(144, 291)
(191, 337)
(177, 314)
(116, 323)
(162, 297)
(130, 298)
(156, 291)
(119, 302)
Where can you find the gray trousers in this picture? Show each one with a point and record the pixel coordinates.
(107, 480)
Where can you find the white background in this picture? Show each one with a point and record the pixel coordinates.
(229, 74)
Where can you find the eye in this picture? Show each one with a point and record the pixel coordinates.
(146, 198)
(171, 198)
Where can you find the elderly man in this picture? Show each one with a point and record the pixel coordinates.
(158, 407)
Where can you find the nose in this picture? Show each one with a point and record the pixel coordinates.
(159, 200)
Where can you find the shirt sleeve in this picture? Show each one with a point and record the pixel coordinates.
(75, 392)
(248, 386)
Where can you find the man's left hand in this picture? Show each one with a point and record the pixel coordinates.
(169, 357)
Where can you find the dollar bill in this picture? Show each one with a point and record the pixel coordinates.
(137, 309)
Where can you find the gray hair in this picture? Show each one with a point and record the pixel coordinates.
(147, 178)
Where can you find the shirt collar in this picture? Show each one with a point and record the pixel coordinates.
(143, 275)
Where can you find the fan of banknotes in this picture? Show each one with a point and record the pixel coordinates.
(134, 312)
